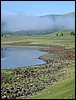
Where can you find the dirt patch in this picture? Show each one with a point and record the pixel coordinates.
(22, 44)
(60, 54)
(17, 43)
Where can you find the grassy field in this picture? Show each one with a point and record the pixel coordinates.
(61, 90)
(46, 40)
(55, 80)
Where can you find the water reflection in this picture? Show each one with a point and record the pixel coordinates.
(17, 57)
(3, 52)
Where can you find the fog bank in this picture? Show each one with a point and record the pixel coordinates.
(22, 22)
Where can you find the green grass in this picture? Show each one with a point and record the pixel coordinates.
(46, 40)
(60, 90)
(64, 88)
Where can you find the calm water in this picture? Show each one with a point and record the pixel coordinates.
(19, 57)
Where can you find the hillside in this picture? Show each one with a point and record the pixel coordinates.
(42, 40)
(38, 25)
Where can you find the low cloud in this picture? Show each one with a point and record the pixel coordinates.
(21, 22)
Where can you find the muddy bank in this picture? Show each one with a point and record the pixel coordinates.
(22, 44)
(58, 50)
(57, 53)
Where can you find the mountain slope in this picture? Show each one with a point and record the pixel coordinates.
(39, 24)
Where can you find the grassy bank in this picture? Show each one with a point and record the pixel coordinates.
(61, 90)
(54, 80)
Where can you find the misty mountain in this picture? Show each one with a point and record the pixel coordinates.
(21, 24)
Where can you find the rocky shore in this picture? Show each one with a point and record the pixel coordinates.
(20, 83)
(57, 53)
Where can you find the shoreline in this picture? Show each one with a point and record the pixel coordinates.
(54, 49)
(51, 50)
(27, 81)
(57, 76)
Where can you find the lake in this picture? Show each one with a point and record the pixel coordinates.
(20, 57)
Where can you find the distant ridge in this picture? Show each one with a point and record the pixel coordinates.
(50, 22)
(68, 14)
